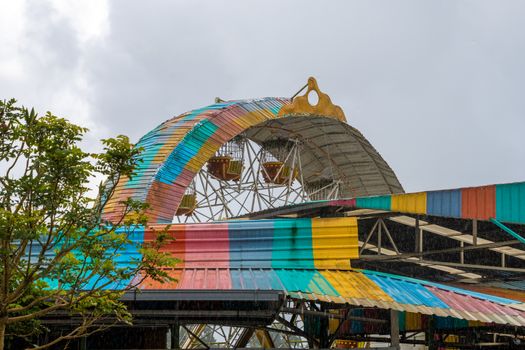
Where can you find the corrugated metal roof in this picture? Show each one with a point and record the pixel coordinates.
(309, 259)
(505, 202)
(510, 202)
(355, 287)
(281, 243)
(505, 289)
(352, 159)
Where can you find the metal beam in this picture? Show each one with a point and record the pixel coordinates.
(174, 336)
(394, 329)
(197, 330)
(369, 236)
(389, 236)
(379, 236)
(453, 234)
(475, 232)
(297, 305)
(277, 330)
(341, 322)
(439, 251)
(203, 295)
(264, 338)
(508, 230)
(193, 314)
(195, 337)
(417, 232)
(390, 253)
(297, 329)
(329, 315)
(473, 266)
(244, 338)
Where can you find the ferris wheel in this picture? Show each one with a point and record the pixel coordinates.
(238, 157)
(245, 177)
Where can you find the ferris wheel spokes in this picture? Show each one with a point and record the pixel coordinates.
(262, 177)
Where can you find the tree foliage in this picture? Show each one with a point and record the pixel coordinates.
(56, 255)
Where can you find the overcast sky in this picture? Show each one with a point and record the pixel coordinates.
(438, 87)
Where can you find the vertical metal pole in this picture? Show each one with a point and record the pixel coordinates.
(430, 334)
(419, 238)
(417, 234)
(462, 253)
(420, 243)
(175, 336)
(503, 259)
(379, 228)
(475, 232)
(394, 329)
(324, 341)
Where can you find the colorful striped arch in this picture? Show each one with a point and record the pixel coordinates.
(177, 149)
(504, 202)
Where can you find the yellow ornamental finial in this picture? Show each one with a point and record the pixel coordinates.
(324, 107)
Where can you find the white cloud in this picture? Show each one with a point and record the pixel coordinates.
(90, 18)
(12, 24)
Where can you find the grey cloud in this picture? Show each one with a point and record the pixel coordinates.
(49, 53)
(435, 86)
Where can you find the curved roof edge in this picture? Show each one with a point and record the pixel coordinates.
(178, 148)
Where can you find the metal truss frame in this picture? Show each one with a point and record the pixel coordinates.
(308, 324)
(219, 199)
(468, 272)
(287, 331)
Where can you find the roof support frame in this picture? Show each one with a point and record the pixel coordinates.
(439, 251)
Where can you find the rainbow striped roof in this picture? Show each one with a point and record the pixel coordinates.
(308, 259)
(503, 202)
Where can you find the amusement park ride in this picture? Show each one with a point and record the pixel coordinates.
(295, 233)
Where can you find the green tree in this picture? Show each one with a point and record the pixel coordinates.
(56, 255)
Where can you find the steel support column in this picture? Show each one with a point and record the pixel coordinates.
(244, 338)
(174, 331)
(324, 338)
(265, 339)
(417, 236)
(394, 329)
(475, 232)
